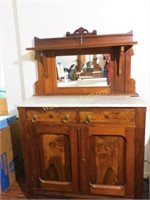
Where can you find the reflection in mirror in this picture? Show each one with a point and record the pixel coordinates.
(83, 70)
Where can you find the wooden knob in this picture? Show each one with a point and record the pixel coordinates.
(34, 118)
(65, 118)
(88, 119)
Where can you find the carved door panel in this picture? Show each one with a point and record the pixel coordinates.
(108, 160)
(55, 154)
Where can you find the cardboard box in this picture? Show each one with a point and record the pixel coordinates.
(7, 120)
(7, 167)
(11, 163)
(3, 106)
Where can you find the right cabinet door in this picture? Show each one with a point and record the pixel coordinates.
(107, 160)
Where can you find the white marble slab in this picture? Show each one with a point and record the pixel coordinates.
(83, 101)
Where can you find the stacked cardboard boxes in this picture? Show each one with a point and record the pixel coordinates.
(3, 106)
(16, 147)
(6, 153)
(11, 164)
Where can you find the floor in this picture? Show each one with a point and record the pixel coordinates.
(17, 190)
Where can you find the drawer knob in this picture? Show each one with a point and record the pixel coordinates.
(34, 118)
(88, 119)
(106, 116)
(65, 118)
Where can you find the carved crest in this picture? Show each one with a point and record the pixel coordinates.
(81, 31)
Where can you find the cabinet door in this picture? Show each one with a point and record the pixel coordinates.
(54, 151)
(107, 160)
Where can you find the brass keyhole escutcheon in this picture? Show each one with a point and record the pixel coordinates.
(50, 116)
(106, 116)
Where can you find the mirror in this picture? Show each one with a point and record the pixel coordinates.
(83, 70)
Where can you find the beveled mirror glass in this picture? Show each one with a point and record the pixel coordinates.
(88, 70)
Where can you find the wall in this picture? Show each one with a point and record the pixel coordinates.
(21, 20)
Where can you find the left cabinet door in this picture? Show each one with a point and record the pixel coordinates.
(54, 157)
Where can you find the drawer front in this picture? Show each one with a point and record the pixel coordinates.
(51, 116)
(116, 115)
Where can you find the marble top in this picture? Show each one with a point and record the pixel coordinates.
(83, 101)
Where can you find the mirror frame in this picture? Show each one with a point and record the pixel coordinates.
(119, 46)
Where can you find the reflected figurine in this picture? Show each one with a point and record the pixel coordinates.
(96, 68)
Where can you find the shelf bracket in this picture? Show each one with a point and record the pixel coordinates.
(44, 63)
(120, 63)
(39, 55)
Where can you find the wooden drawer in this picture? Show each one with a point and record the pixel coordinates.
(51, 115)
(115, 115)
(82, 116)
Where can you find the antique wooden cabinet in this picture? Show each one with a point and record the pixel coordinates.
(79, 150)
(84, 141)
